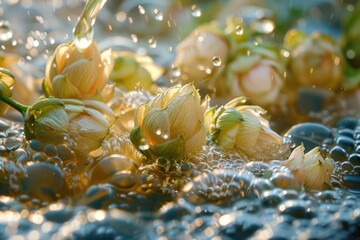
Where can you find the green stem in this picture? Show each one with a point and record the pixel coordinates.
(21, 108)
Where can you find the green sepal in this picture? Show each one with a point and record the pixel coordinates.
(46, 102)
(229, 118)
(173, 149)
(208, 118)
(45, 88)
(137, 139)
(236, 101)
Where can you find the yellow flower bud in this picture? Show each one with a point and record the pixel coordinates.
(24, 87)
(201, 56)
(7, 82)
(310, 169)
(52, 120)
(132, 70)
(242, 128)
(315, 60)
(317, 170)
(171, 125)
(256, 73)
(71, 73)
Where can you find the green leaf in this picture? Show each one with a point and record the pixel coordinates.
(173, 149)
(137, 139)
(352, 78)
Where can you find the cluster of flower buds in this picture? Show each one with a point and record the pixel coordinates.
(132, 70)
(244, 129)
(315, 60)
(230, 64)
(171, 125)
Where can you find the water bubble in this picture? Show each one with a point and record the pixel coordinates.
(195, 11)
(350, 54)
(5, 31)
(134, 38)
(121, 16)
(263, 25)
(12, 144)
(44, 181)
(285, 53)
(141, 9)
(152, 42)
(220, 187)
(158, 15)
(216, 61)
(239, 30)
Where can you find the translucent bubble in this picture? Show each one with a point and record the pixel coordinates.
(134, 38)
(44, 181)
(350, 54)
(216, 61)
(220, 187)
(158, 15)
(195, 11)
(263, 25)
(239, 30)
(5, 31)
(152, 42)
(141, 9)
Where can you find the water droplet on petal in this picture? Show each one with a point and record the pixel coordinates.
(216, 61)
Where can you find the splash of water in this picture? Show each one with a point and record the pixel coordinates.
(83, 31)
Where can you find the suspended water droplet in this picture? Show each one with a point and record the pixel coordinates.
(216, 61)
(152, 42)
(239, 30)
(263, 25)
(141, 9)
(5, 31)
(285, 53)
(121, 16)
(158, 15)
(134, 38)
(350, 54)
(195, 11)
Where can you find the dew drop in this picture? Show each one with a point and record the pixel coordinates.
(216, 61)
(158, 132)
(195, 11)
(144, 147)
(5, 31)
